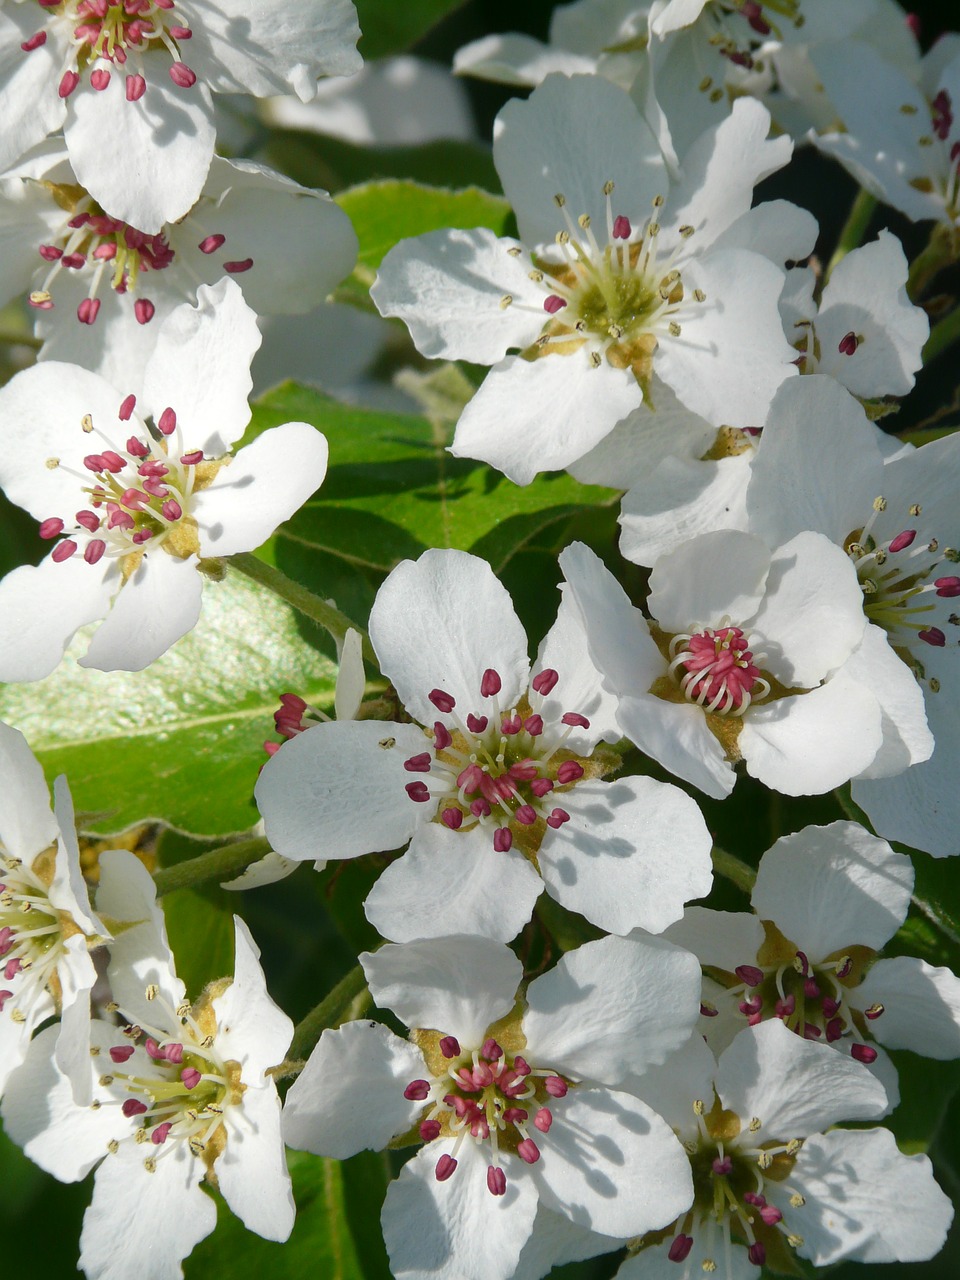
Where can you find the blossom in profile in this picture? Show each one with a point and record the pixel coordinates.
(179, 1094)
(516, 1100)
(137, 492)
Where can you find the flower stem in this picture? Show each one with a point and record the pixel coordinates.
(311, 606)
(854, 229)
(733, 869)
(219, 864)
(349, 997)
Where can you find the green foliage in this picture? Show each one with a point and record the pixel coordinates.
(391, 27)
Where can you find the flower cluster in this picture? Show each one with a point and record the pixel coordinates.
(541, 728)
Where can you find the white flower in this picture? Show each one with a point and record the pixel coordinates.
(768, 1179)
(826, 900)
(746, 658)
(515, 1101)
(130, 85)
(179, 1094)
(140, 505)
(900, 141)
(501, 791)
(102, 289)
(821, 466)
(46, 925)
(618, 274)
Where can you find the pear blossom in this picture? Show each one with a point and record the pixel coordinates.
(139, 492)
(517, 1101)
(46, 923)
(619, 274)
(747, 657)
(130, 82)
(101, 288)
(497, 782)
(825, 902)
(180, 1094)
(771, 1177)
(822, 467)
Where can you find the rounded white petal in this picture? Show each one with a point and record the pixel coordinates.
(144, 161)
(865, 1200)
(777, 229)
(634, 851)
(516, 59)
(41, 608)
(68, 889)
(556, 1240)
(676, 735)
(827, 888)
(252, 1171)
(542, 415)
(921, 1006)
(438, 623)
(907, 739)
(612, 1008)
(251, 1029)
(719, 939)
(448, 288)
(140, 954)
(437, 1230)
(581, 688)
(453, 882)
(349, 1096)
(811, 743)
(653, 1263)
(672, 1088)
(159, 603)
(793, 1086)
(27, 824)
(336, 791)
(612, 1164)
(29, 104)
(456, 985)
(201, 368)
(263, 485)
(718, 575)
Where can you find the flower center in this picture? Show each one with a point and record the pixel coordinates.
(905, 588)
(730, 1176)
(809, 998)
(948, 168)
(112, 31)
(500, 769)
(31, 936)
(136, 496)
(763, 20)
(616, 299)
(489, 1096)
(716, 670)
(172, 1079)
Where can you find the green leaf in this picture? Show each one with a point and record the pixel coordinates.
(391, 27)
(383, 213)
(392, 491)
(330, 1236)
(182, 741)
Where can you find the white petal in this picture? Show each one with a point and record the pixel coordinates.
(252, 1171)
(907, 739)
(447, 287)
(336, 792)
(793, 1086)
(777, 229)
(517, 60)
(612, 1164)
(438, 623)
(267, 870)
(159, 603)
(27, 824)
(453, 882)
(437, 1230)
(732, 354)
(457, 985)
(653, 1263)
(251, 1029)
(866, 1201)
(672, 1088)
(827, 888)
(679, 500)
(349, 1096)
(921, 1006)
(29, 104)
(40, 609)
(141, 1223)
(634, 851)
(580, 688)
(351, 680)
(612, 1007)
(77, 974)
(201, 368)
(811, 743)
(720, 939)
(144, 161)
(261, 488)
(677, 736)
(571, 136)
(68, 889)
(708, 578)
(541, 415)
(556, 1240)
